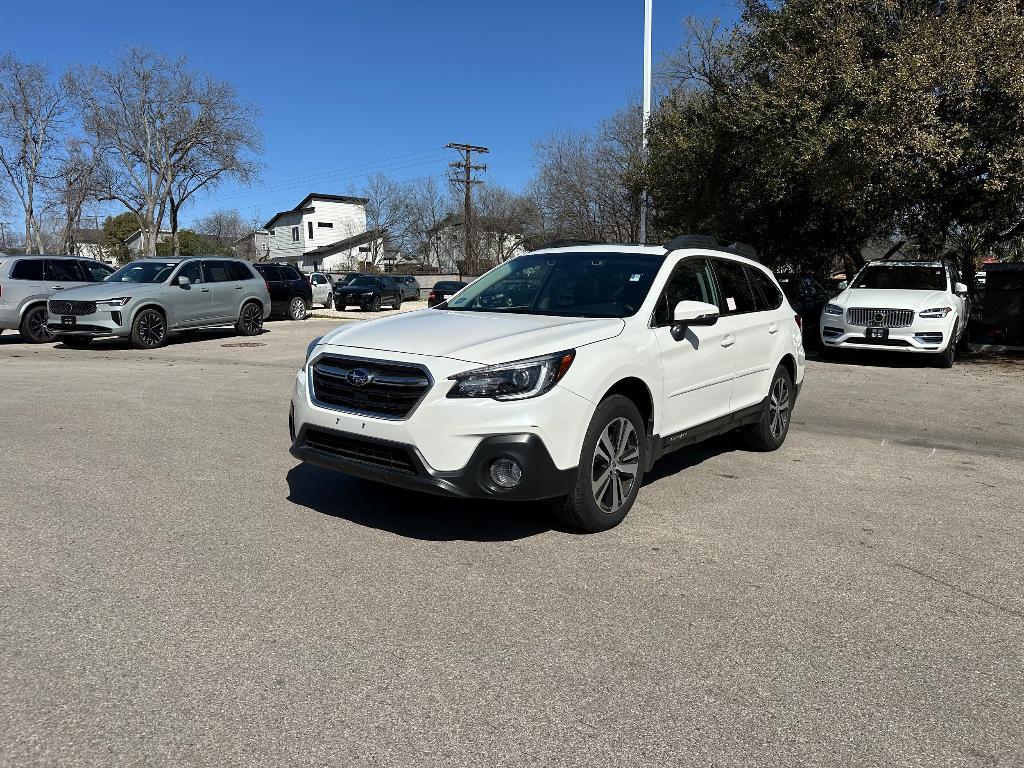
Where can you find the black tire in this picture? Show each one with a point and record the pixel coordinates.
(398, 303)
(297, 308)
(769, 433)
(76, 342)
(250, 319)
(947, 357)
(373, 305)
(339, 305)
(963, 343)
(149, 329)
(33, 325)
(591, 506)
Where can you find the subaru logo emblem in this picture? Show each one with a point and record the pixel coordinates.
(359, 377)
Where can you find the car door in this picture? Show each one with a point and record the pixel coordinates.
(62, 274)
(756, 328)
(698, 368)
(192, 303)
(321, 288)
(26, 284)
(224, 289)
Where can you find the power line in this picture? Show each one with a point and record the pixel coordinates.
(466, 179)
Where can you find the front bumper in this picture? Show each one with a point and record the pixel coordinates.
(924, 335)
(94, 325)
(403, 466)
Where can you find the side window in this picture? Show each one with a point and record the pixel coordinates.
(767, 294)
(690, 281)
(28, 269)
(291, 273)
(64, 271)
(295, 234)
(239, 271)
(95, 271)
(311, 229)
(193, 270)
(216, 271)
(737, 292)
(271, 272)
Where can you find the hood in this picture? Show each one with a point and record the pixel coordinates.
(891, 298)
(100, 291)
(474, 337)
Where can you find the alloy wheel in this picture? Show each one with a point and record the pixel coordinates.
(778, 408)
(37, 326)
(152, 329)
(298, 309)
(615, 465)
(252, 319)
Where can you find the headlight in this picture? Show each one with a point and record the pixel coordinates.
(513, 381)
(368, 293)
(112, 303)
(309, 351)
(935, 312)
(833, 309)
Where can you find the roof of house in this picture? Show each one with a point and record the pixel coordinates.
(89, 236)
(304, 207)
(347, 244)
(488, 223)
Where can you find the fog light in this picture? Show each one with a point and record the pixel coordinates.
(506, 473)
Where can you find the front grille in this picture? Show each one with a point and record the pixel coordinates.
(879, 342)
(63, 307)
(393, 457)
(391, 391)
(880, 318)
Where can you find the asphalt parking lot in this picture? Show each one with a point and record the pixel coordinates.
(176, 590)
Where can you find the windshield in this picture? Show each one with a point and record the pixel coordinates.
(566, 284)
(143, 272)
(363, 282)
(905, 277)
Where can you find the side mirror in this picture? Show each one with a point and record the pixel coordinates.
(843, 285)
(182, 281)
(695, 313)
(960, 288)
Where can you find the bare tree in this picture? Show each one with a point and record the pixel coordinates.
(509, 222)
(33, 110)
(163, 133)
(73, 184)
(225, 226)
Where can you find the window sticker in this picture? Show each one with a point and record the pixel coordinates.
(731, 304)
(634, 278)
(457, 302)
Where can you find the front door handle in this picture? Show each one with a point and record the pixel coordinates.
(728, 341)
(773, 329)
(204, 290)
(238, 287)
(56, 287)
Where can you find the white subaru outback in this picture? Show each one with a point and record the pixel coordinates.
(562, 374)
(900, 306)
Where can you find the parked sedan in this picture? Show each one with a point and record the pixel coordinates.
(444, 290)
(291, 294)
(368, 292)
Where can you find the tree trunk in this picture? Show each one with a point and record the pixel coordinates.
(175, 242)
(852, 261)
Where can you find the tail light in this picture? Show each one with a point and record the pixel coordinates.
(799, 322)
(432, 296)
(268, 285)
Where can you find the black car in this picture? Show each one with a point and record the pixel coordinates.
(290, 293)
(808, 298)
(444, 290)
(369, 292)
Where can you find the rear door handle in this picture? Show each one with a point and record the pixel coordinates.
(728, 341)
(773, 329)
(204, 290)
(238, 287)
(56, 287)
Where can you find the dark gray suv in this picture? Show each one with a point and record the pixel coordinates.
(26, 282)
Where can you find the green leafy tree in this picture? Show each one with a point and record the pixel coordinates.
(116, 231)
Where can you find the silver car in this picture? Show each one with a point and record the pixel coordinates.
(147, 299)
(26, 282)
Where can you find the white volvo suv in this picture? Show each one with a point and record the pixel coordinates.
(562, 374)
(900, 306)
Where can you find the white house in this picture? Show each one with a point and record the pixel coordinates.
(317, 221)
(351, 254)
(495, 241)
(135, 241)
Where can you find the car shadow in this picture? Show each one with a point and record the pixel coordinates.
(414, 515)
(691, 456)
(174, 339)
(871, 359)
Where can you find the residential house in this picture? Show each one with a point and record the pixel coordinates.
(352, 253)
(135, 241)
(495, 241)
(317, 221)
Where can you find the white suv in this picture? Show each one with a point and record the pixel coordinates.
(900, 306)
(562, 374)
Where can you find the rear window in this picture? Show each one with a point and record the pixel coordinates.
(737, 293)
(95, 271)
(27, 269)
(768, 295)
(291, 273)
(269, 271)
(450, 287)
(239, 271)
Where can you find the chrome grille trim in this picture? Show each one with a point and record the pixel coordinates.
(64, 307)
(394, 391)
(880, 318)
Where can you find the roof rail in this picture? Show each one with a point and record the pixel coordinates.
(568, 243)
(713, 243)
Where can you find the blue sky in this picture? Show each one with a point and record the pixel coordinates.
(349, 88)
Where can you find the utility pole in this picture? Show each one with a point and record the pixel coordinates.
(467, 180)
(647, 114)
